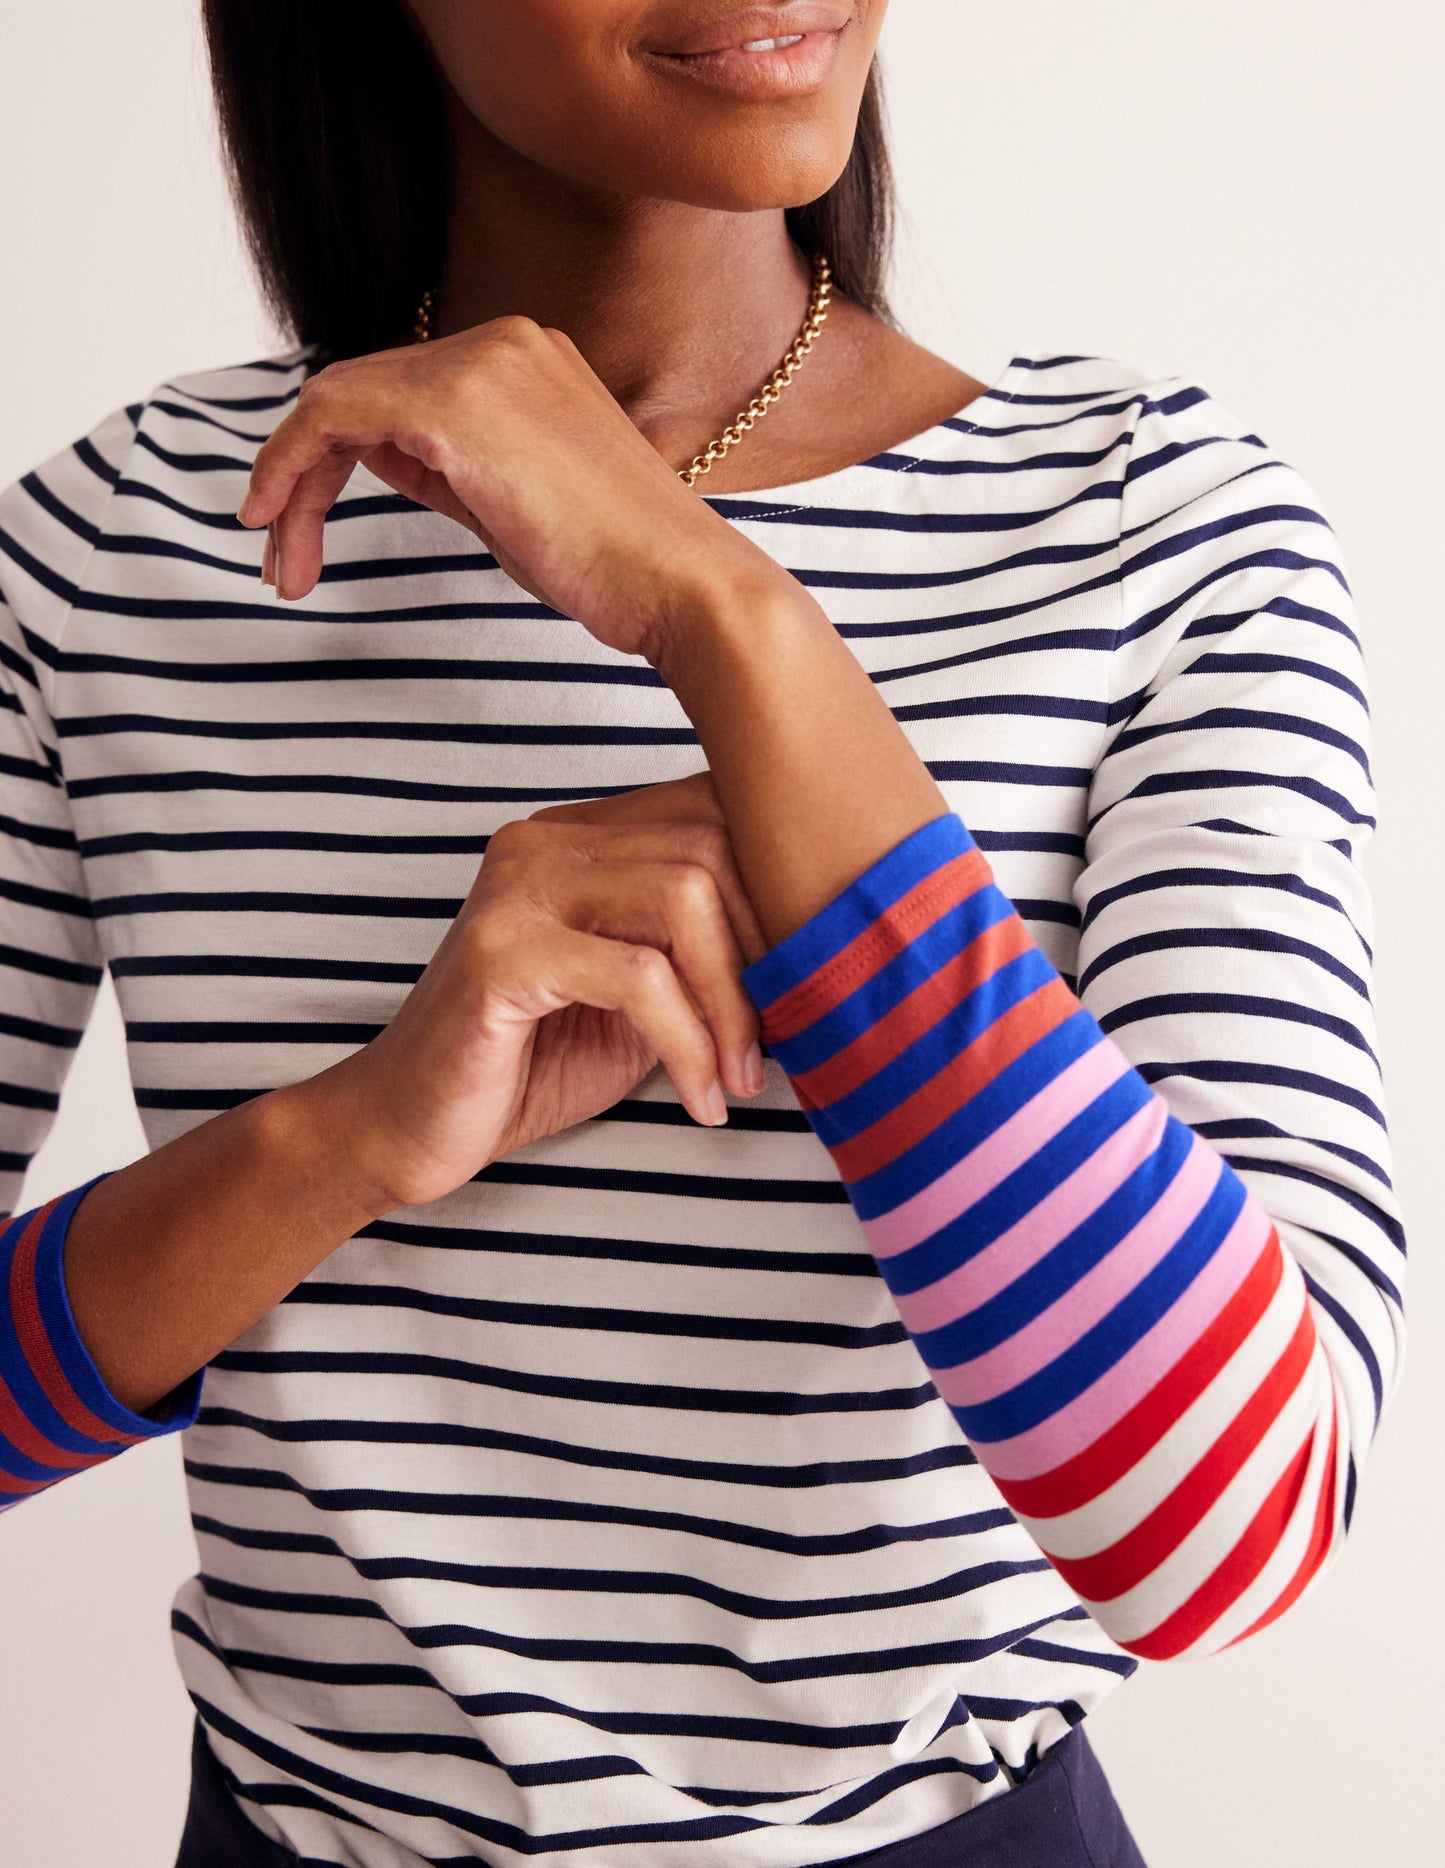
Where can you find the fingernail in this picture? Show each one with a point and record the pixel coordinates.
(753, 1069)
(276, 569)
(268, 557)
(715, 1104)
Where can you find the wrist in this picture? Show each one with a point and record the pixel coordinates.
(309, 1137)
(748, 612)
(815, 774)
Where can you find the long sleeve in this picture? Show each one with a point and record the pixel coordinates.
(1142, 1232)
(56, 1416)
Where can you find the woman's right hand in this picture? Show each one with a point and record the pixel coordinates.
(596, 941)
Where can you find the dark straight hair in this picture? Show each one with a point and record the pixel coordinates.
(331, 120)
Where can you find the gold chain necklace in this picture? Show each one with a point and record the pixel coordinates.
(761, 402)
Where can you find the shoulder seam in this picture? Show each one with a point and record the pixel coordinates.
(135, 411)
(1119, 581)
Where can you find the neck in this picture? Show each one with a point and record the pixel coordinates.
(681, 311)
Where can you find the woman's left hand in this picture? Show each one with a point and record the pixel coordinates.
(506, 429)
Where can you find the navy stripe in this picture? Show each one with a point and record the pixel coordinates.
(807, 1477)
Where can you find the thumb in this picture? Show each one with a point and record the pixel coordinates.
(412, 478)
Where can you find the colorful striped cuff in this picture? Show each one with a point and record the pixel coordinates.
(56, 1414)
(1105, 1309)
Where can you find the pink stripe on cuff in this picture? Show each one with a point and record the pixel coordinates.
(1047, 1336)
(1076, 1426)
(1040, 1230)
(1011, 1145)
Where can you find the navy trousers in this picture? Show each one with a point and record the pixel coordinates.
(1062, 1816)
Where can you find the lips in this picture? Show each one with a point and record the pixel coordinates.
(759, 55)
(758, 31)
(788, 67)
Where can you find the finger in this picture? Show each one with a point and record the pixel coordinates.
(692, 799)
(705, 953)
(620, 976)
(298, 529)
(709, 846)
(345, 408)
(678, 908)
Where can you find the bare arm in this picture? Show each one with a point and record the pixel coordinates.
(815, 776)
(171, 1258)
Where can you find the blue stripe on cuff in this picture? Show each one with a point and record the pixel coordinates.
(855, 908)
(1051, 1278)
(945, 1146)
(15, 1367)
(173, 1411)
(934, 1051)
(927, 953)
(1025, 1406)
(1032, 1181)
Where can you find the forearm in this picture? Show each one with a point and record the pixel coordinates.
(173, 1257)
(1109, 1314)
(815, 776)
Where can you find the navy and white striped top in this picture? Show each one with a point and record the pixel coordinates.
(766, 1494)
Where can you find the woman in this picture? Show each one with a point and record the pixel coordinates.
(569, 1484)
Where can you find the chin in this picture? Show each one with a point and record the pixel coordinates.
(735, 176)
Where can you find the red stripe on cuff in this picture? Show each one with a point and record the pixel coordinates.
(960, 1080)
(18, 1430)
(1229, 1580)
(11, 1487)
(16, 1489)
(881, 941)
(1112, 1572)
(1123, 1445)
(37, 1348)
(935, 998)
(1321, 1540)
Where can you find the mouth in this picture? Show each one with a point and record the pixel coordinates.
(763, 52)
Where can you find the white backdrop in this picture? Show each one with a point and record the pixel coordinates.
(1244, 193)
